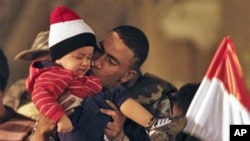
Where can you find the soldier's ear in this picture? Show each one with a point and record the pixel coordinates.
(128, 76)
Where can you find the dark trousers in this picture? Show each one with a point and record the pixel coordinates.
(87, 126)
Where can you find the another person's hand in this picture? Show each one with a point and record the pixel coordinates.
(45, 126)
(64, 124)
(114, 130)
(43, 129)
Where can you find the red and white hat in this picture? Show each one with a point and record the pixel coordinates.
(68, 32)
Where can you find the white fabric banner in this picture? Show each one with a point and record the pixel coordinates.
(222, 98)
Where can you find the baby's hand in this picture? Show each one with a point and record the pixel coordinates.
(64, 124)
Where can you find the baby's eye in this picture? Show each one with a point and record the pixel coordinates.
(79, 57)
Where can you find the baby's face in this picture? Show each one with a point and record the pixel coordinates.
(78, 60)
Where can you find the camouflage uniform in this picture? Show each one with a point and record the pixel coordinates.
(155, 95)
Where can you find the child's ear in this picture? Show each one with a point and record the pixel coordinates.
(128, 76)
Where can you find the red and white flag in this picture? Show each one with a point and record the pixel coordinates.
(222, 98)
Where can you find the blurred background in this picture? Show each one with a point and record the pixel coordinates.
(183, 34)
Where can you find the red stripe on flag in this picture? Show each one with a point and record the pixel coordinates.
(226, 67)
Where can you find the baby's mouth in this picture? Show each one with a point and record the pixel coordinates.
(81, 72)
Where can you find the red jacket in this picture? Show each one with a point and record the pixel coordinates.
(46, 83)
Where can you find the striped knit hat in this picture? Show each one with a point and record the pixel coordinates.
(68, 32)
